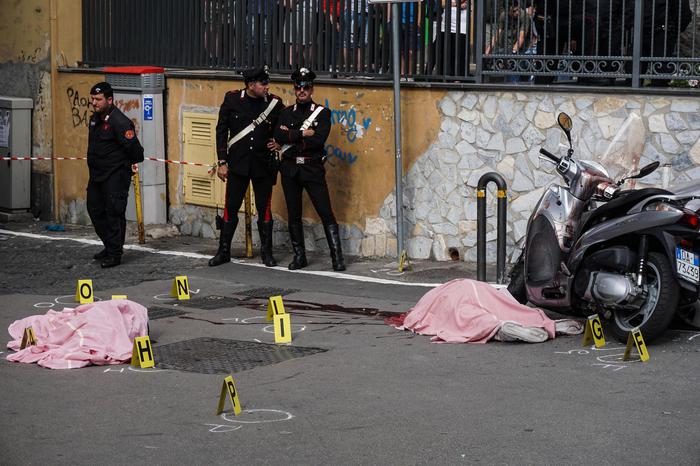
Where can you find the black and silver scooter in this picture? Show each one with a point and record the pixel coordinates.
(629, 255)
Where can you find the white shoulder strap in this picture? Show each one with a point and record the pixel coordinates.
(304, 126)
(244, 132)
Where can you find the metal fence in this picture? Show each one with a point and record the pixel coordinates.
(622, 42)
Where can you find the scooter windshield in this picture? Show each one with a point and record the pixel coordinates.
(621, 159)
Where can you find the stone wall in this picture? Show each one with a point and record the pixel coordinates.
(503, 132)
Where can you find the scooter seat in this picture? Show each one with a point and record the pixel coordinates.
(617, 207)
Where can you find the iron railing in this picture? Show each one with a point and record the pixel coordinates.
(622, 42)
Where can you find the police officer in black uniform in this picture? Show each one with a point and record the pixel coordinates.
(245, 148)
(302, 131)
(112, 149)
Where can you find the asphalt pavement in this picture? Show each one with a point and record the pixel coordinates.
(356, 390)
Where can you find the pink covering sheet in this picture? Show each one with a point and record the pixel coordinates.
(97, 333)
(469, 311)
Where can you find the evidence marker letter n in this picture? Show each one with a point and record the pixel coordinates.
(142, 354)
(84, 292)
(635, 338)
(275, 307)
(594, 331)
(229, 387)
(181, 288)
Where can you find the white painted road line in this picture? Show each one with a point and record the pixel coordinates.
(194, 255)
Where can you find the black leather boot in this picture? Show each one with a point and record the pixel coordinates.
(265, 231)
(223, 255)
(296, 234)
(333, 238)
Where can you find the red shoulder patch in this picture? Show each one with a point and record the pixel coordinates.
(129, 134)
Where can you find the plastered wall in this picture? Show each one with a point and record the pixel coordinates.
(73, 112)
(360, 148)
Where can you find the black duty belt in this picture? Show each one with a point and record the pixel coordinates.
(305, 160)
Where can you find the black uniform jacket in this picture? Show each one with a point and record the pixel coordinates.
(312, 148)
(249, 156)
(112, 144)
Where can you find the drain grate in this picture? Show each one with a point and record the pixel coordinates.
(265, 293)
(162, 312)
(222, 356)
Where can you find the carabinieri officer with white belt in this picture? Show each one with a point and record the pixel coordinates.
(244, 145)
(302, 130)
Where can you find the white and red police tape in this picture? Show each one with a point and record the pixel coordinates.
(152, 159)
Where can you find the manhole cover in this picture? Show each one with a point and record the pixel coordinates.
(265, 293)
(213, 302)
(161, 312)
(221, 356)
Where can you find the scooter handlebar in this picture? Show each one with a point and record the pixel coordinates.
(550, 156)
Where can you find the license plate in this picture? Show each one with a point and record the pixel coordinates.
(688, 265)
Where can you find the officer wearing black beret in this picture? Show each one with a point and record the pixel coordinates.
(244, 145)
(112, 149)
(302, 130)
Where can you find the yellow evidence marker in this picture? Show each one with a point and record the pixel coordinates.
(83, 292)
(142, 354)
(181, 288)
(594, 331)
(283, 328)
(229, 387)
(119, 296)
(28, 338)
(274, 307)
(636, 336)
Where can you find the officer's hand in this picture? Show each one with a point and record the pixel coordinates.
(222, 172)
(134, 168)
(273, 145)
(308, 133)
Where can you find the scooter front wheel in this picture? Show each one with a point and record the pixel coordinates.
(655, 315)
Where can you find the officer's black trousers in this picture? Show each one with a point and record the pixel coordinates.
(106, 205)
(236, 186)
(312, 178)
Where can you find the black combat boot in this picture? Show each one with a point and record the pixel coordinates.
(265, 231)
(223, 255)
(296, 234)
(333, 239)
(111, 261)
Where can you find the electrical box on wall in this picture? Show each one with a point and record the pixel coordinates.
(15, 139)
(138, 92)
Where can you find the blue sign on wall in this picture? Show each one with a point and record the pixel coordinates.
(147, 107)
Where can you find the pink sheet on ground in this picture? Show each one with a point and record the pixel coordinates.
(469, 311)
(97, 333)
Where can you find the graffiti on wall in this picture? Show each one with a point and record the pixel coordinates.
(353, 125)
(80, 107)
(29, 57)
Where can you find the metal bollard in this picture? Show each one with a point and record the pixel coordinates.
(481, 227)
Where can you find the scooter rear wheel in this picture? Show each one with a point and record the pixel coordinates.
(654, 317)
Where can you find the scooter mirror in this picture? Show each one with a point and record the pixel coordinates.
(647, 169)
(565, 124)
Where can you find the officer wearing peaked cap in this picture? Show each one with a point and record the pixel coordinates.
(302, 130)
(244, 145)
(112, 149)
